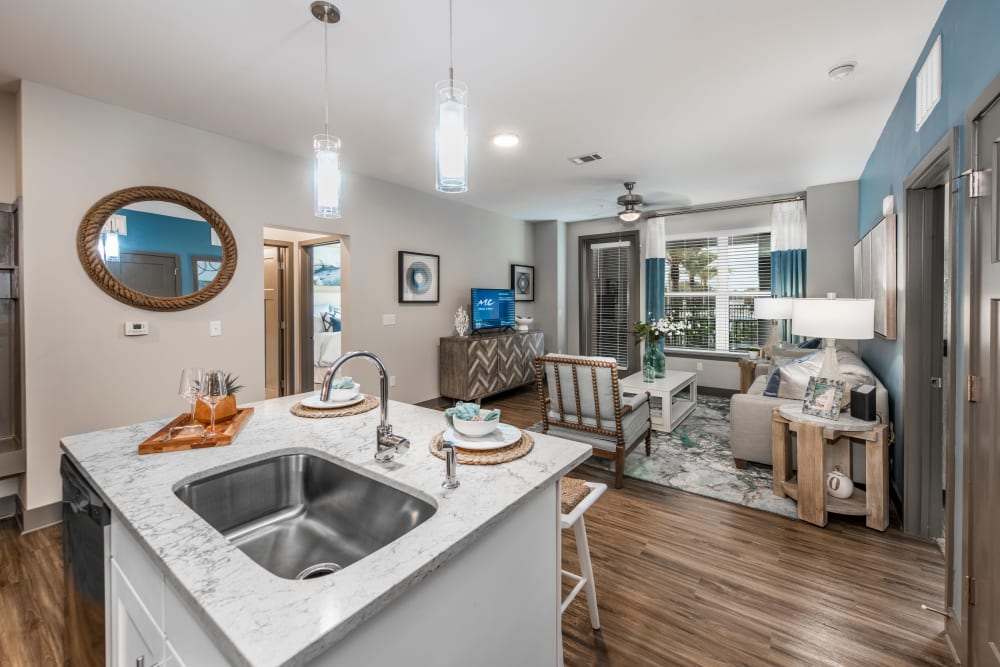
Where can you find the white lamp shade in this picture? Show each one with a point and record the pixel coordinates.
(772, 308)
(844, 319)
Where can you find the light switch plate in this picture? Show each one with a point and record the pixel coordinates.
(388, 319)
(136, 328)
(215, 328)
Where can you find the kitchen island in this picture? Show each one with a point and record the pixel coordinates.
(476, 583)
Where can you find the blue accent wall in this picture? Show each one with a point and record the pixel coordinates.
(163, 233)
(970, 61)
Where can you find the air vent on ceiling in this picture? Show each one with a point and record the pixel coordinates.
(584, 159)
(929, 83)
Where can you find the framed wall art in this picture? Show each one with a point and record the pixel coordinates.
(875, 273)
(419, 277)
(522, 281)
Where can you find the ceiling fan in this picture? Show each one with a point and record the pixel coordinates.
(630, 201)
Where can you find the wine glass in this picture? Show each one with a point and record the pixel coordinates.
(191, 379)
(213, 390)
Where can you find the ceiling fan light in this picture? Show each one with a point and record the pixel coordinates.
(629, 215)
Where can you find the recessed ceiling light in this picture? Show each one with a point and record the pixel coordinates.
(506, 140)
(842, 71)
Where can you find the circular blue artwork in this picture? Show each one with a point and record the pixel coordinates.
(418, 278)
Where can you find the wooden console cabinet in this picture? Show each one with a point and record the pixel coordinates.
(471, 367)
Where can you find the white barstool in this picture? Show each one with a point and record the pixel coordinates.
(574, 519)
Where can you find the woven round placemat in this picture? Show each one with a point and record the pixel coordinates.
(490, 457)
(299, 410)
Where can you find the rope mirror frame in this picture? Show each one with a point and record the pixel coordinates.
(89, 234)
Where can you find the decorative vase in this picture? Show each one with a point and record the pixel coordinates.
(838, 484)
(654, 359)
(226, 409)
(461, 321)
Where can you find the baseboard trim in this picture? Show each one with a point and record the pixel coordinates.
(38, 517)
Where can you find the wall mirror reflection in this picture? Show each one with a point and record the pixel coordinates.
(156, 248)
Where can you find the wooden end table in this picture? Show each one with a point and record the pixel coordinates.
(748, 373)
(671, 398)
(823, 444)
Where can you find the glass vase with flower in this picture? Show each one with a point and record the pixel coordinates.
(654, 361)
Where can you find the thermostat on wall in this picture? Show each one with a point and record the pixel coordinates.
(136, 328)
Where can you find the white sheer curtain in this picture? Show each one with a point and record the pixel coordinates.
(788, 226)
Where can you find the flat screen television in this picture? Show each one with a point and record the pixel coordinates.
(492, 308)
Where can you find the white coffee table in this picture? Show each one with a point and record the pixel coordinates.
(671, 398)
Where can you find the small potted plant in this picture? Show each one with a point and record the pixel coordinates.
(226, 409)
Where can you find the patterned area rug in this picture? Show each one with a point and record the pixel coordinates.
(697, 458)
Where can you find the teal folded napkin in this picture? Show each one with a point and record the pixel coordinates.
(467, 411)
(342, 383)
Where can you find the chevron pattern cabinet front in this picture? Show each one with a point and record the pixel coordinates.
(472, 367)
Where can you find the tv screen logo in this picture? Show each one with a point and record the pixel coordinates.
(485, 303)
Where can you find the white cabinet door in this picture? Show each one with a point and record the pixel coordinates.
(136, 641)
(171, 659)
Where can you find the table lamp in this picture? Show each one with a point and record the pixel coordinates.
(830, 319)
(774, 309)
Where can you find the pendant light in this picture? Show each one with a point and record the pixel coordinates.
(451, 127)
(326, 147)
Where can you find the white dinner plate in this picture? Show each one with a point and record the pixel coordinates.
(504, 436)
(314, 402)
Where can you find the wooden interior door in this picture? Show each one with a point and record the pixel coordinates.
(984, 488)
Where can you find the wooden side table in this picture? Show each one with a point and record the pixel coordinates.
(823, 444)
(748, 373)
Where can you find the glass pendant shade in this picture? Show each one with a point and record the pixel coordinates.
(452, 137)
(326, 176)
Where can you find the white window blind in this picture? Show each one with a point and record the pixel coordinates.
(710, 285)
(610, 330)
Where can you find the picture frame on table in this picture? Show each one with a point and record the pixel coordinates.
(419, 277)
(823, 397)
(522, 281)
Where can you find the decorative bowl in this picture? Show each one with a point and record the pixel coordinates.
(475, 429)
(338, 395)
(523, 322)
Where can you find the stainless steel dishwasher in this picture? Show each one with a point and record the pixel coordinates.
(85, 519)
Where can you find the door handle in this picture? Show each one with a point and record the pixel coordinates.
(937, 383)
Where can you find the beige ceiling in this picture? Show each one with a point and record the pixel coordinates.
(696, 100)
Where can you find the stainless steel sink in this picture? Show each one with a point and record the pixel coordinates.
(301, 516)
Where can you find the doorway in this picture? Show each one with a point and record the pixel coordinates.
(609, 297)
(277, 319)
(929, 360)
(322, 282)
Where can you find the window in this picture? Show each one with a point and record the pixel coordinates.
(609, 285)
(710, 285)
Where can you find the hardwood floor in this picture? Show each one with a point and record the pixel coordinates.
(681, 580)
(687, 580)
(31, 596)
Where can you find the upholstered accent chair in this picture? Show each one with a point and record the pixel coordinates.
(586, 404)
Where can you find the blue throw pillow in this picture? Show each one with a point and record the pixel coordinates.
(773, 382)
(331, 321)
(810, 344)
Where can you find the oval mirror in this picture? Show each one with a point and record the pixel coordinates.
(156, 248)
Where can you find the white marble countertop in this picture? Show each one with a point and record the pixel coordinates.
(263, 620)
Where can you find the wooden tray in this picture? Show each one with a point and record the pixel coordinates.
(161, 441)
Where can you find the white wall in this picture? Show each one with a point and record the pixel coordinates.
(8, 148)
(83, 374)
(833, 230)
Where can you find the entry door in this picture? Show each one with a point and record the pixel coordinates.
(984, 492)
(152, 273)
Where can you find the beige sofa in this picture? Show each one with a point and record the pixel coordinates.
(750, 422)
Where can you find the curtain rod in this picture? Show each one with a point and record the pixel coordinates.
(725, 206)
